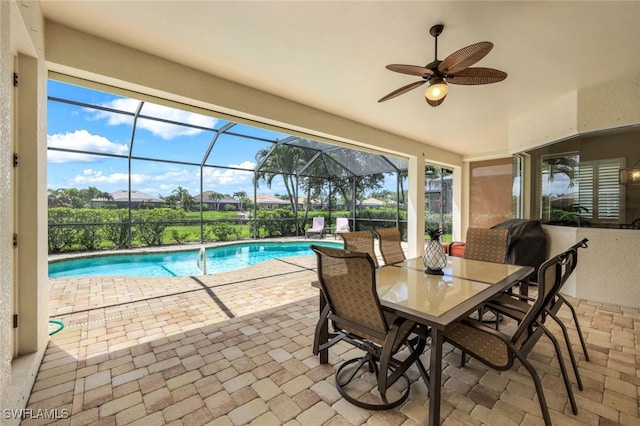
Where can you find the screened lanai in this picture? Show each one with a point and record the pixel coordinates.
(126, 170)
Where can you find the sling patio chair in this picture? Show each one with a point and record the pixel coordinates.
(515, 305)
(317, 228)
(342, 226)
(390, 245)
(499, 350)
(361, 241)
(488, 245)
(348, 284)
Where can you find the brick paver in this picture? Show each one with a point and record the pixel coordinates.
(235, 348)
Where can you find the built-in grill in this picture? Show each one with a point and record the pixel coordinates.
(528, 244)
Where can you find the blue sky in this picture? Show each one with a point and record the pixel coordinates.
(88, 129)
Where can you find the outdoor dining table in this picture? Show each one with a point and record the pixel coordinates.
(438, 301)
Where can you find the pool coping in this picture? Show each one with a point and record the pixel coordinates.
(173, 248)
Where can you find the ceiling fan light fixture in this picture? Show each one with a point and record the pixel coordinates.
(436, 89)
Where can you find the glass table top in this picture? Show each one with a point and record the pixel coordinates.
(422, 293)
(486, 272)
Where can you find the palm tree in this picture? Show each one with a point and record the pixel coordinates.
(567, 165)
(183, 197)
(216, 196)
(55, 198)
(240, 196)
(312, 188)
(282, 161)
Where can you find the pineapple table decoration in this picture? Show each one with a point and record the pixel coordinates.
(434, 257)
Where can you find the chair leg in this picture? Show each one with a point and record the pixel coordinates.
(536, 381)
(563, 368)
(385, 404)
(463, 359)
(575, 319)
(359, 361)
(322, 320)
(572, 357)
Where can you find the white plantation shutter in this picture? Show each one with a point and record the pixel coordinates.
(609, 190)
(585, 193)
(600, 190)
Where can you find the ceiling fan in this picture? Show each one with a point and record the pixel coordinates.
(454, 69)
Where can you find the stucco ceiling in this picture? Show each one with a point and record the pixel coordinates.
(332, 55)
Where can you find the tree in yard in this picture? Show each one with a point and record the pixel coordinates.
(364, 184)
(312, 187)
(216, 196)
(242, 197)
(66, 197)
(183, 197)
(282, 161)
(567, 165)
(92, 193)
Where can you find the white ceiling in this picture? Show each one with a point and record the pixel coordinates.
(332, 55)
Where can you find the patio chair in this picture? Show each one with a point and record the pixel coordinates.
(360, 241)
(317, 228)
(489, 245)
(499, 350)
(348, 284)
(342, 226)
(390, 245)
(515, 305)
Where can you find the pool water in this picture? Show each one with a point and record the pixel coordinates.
(179, 264)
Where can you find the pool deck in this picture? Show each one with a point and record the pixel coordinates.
(235, 348)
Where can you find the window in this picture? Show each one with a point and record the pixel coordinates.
(581, 192)
(558, 188)
(576, 181)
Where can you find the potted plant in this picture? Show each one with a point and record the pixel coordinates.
(434, 257)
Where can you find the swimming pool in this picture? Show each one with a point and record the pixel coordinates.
(180, 263)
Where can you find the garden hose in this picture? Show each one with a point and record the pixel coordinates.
(58, 323)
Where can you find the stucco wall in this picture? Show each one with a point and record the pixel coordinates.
(6, 266)
(22, 202)
(608, 270)
(612, 104)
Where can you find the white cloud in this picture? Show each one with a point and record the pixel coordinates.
(176, 176)
(168, 180)
(225, 181)
(81, 140)
(222, 177)
(163, 130)
(92, 177)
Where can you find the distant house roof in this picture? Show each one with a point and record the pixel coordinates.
(374, 202)
(227, 199)
(270, 199)
(136, 197)
(315, 202)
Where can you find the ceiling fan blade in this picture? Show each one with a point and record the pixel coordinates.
(474, 76)
(465, 57)
(435, 103)
(410, 69)
(402, 90)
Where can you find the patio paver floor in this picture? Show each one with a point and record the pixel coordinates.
(235, 348)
